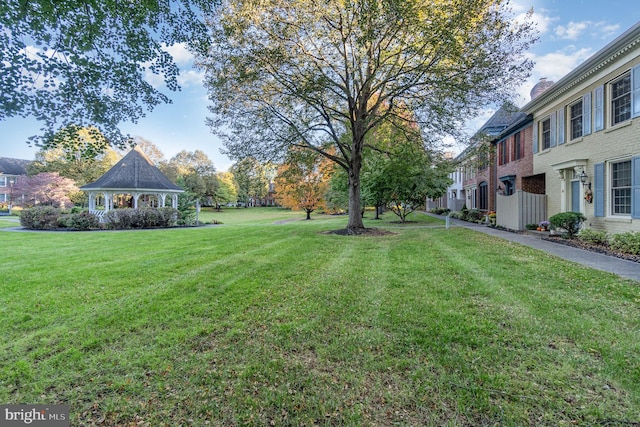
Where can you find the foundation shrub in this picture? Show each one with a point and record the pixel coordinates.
(570, 222)
(628, 242)
(590, 235)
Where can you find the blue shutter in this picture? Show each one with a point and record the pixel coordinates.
(535, 137)
(561, 126)
(586, 114)
(552, 123)
(598, 192)
(635, 187)
(635, 91)
(599, 109)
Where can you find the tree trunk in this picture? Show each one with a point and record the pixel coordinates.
(308, 214)
(355, 204)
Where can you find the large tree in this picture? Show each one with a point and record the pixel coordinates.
(226, 192)
(299, 72)
(83, 62)
(251, 179)
(194, 171)
(83, 155)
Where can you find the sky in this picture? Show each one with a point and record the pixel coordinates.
(569, 31)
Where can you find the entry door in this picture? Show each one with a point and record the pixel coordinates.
(575, 196)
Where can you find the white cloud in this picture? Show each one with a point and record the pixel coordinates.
(572, 30)
(184, 60)
(605, 31)
(552, 66)
(180, 53)
(190, 77)
(540, 18)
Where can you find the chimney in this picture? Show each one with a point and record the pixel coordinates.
(540, 87)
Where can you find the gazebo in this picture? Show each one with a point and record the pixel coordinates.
(134, 180)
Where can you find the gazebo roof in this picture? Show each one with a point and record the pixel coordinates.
(134, 172)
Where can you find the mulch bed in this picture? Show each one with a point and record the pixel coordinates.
(601, 249)
(373, 232)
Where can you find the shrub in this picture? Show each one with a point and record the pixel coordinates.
(82, 221)
(456, 215)
(568, 221)
(40, 218)
(440, 211)
(593, 236)
(628, 242)
(531, 226)
(474, 215)
(122, 219)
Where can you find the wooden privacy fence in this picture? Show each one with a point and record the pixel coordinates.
(516, 211)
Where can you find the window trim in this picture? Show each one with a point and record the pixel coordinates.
(612, 100)
(611, 189)
(503, 152)
(545, 135)
(575, 120)
(517, 152)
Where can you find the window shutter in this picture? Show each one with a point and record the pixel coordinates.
(599, 109)
(552, 123)
(561, 126)
(635, 187)
(635, 91)
(598, 196)
(535, 137)
(586, 114)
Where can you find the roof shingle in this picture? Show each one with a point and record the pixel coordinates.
(133, 172)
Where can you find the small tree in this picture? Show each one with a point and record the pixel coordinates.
(303, 181)
(47, 188)
(569, 221)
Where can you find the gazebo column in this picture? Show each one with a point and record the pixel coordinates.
(162, 198)
(135, 200)
(174, 201)
(92, 201)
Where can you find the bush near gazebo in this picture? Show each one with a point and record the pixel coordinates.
(122, 219)
(51, 218)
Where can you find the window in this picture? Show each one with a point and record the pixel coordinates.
(546, 133)
(576, 119)
(621, 99)
(517, 152)
(503, 158)
(3, 181)
(483, 160)
(483, 196)
(621, 188)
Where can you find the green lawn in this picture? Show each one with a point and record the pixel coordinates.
(266, 320)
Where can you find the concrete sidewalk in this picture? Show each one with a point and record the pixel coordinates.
(611, 264)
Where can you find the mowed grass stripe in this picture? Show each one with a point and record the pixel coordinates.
(281, 324)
